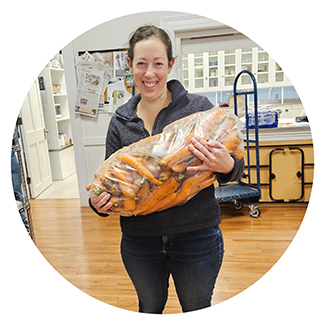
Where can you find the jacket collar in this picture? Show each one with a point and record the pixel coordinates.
(128, 111)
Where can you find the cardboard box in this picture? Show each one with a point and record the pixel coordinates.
(56, 89)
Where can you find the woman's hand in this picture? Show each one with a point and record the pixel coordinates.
(214, 155)
(101, 203)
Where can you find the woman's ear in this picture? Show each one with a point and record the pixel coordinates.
(129, 63)
(171, 64)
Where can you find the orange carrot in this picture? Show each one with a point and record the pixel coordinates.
(129, 204)
(136, 164)
(157, 194)
(181, 166)
(183, 192)
(121, 173)
(116, 201)
(239, 152)
(176, 157)
(127, 190)
(203, 179)
(227, 126)
(122, 204)
(144, 189)
(152, 164)
(211, 121)
(164, 175)
(167, 199)
(96, 188)
(172, 158)
(231, 142)
(191, 186)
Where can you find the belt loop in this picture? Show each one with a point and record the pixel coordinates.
(165, 244)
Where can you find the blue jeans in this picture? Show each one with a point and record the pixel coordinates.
(193, 259)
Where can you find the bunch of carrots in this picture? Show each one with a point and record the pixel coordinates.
(150, 175)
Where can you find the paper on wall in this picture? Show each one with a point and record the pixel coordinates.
(100, 64)
(89, 92)
(117, 94)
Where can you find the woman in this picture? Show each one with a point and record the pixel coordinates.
(183, 241)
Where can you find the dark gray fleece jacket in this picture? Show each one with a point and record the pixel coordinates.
(200, 212)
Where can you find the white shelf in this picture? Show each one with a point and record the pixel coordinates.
(60, 119)
(61, 157)
(53, 123)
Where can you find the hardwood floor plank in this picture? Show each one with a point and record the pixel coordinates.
(85, 249)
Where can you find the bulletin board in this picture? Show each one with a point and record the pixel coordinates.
(120, 68)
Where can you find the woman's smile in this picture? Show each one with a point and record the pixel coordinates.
(150, 84)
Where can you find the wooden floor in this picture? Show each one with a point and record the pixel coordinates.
(84, 248)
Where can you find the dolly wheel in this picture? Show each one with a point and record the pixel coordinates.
(254, 211)
(237, 205)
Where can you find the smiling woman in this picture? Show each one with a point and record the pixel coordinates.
(183, 241)
(88, 250)
(150, 68)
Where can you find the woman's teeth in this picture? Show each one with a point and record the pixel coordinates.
(150, 84)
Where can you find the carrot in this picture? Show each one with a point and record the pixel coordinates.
(203, 180)
(157, 194)
(144, 188)
(227, 126)
(164, 175)
(183, 193)
(106, 178)
(176, 152)
(116, 201)
(231, 142)
(190, 187)
(136, 164)
(121, 174)
(211, 121)
(152, 164)
(169, 160)
(239, 152)
(175, 157)
(181, 166)
(119, 204)
(96, 188)
(167, 199)
(129, 204)
(127, 190)
(109, 182)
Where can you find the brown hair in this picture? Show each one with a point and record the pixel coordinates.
(148, 31)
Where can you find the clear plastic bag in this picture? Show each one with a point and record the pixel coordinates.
(150, 175)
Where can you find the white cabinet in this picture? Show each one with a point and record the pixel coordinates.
(201, 71)
(216, 71)
(62, 163)
(57, 121)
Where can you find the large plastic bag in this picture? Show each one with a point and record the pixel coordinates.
(150, 175)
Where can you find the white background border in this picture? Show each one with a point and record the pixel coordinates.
(32, 292)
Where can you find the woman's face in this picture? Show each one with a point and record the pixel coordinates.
(150, 68)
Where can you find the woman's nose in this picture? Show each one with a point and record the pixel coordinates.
(150, 71)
